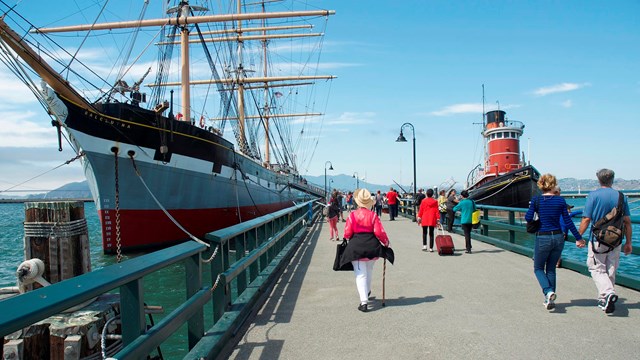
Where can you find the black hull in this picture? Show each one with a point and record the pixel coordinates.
(513, 189)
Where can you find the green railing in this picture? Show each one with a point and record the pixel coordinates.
(249, 257)
(405, 208)
(505, 228)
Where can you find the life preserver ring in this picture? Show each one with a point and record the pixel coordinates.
(507, 166)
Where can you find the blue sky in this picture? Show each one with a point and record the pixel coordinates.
(569, 70)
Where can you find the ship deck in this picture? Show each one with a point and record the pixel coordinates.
(481, 305)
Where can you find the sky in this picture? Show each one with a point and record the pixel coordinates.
(569, 70)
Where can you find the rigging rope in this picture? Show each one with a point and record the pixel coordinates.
(46, 172)
(193, 237)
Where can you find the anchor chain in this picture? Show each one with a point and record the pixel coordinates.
(117, 195)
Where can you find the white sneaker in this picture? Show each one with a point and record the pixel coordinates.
(424, 247)
(549, 300)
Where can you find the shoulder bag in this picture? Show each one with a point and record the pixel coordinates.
(534, 225)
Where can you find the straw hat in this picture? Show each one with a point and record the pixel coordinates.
(363, 198)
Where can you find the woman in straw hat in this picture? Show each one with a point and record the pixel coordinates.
(367, 242)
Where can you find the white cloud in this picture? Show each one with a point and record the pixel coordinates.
(567, 104)
(469, 108)
(352, 118)
(564, 87)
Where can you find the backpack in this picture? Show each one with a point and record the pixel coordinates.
(609, 230)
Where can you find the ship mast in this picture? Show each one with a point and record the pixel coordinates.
(267, 160)
(240, 82)
(184, 63)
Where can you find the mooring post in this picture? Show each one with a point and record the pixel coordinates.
(56, 232)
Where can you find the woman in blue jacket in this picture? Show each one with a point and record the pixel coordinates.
(550, 237)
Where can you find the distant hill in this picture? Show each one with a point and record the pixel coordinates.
(80, 190)
(75, 190)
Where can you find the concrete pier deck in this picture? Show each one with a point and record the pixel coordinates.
(484, 305)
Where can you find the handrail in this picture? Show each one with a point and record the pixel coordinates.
(262, 247)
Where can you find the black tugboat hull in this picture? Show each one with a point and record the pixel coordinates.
(513, 189)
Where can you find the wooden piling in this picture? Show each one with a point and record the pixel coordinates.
(56, 232)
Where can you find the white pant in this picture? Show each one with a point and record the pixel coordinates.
(603, 268)
(364, 273)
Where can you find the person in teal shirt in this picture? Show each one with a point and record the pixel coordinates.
(466, 207)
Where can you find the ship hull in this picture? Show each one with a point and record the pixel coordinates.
(141, 166)
(513, 189)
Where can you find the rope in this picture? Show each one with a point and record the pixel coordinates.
(81, 154)
(55, 229)
(193, 237)
(497, 192)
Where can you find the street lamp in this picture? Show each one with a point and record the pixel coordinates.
(325, 178)
(401, 138)
(355, 175)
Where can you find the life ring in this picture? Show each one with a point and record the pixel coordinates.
(507, 166)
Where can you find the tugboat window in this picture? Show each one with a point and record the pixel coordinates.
(499, 135)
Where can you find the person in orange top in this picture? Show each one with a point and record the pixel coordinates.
(392, 200)
(428, 218)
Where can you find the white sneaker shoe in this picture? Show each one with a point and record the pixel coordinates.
(424, 247)
(549, 300)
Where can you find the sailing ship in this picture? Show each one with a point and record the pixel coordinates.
(504, 179)
(163, 170)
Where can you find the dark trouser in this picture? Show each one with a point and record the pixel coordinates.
(424, 236)
(379, 210)
(392, 211)
(467, 235)
(450, 217)
(443, 218)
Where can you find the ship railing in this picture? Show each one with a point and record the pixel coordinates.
(240, 278)
(505, 227)
(405, 208)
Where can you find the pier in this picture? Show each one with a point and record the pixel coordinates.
(272, 294)
(468, 306)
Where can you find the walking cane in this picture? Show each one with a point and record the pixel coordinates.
(384, 271)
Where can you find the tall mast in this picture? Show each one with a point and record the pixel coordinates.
(267, 159)
(240, 81)
(184, 59)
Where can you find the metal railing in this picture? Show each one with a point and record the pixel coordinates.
(250, 256)
(505, 228)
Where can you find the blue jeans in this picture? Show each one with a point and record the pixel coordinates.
(546, 252)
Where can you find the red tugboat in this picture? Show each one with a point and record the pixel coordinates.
(504, 179)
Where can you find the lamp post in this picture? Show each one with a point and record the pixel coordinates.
(401, 138)
(355, 175)
(325, 178)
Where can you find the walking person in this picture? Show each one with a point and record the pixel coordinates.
(367, 242)
(602, 261)
(392, 200)
(466, 207)
(549, 240)
(442, 207)
(379, 203)
(333, 216)
(428, 218)
(451, 202)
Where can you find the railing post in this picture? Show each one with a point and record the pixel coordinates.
(252, 244)
(485, 228)
(241, 280)
(193, 272)
(132, 311)
(512, 221)
(218, 294)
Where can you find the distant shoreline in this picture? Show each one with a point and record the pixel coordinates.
(18, 201)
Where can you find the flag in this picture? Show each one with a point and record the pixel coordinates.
(278, 94)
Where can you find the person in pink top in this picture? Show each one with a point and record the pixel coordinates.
(428, 218)
(367, 242)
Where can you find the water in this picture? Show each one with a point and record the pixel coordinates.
(164, 288)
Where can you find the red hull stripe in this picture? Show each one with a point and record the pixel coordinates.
(142, 229)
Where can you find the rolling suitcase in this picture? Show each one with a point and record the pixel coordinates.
(444, 243)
